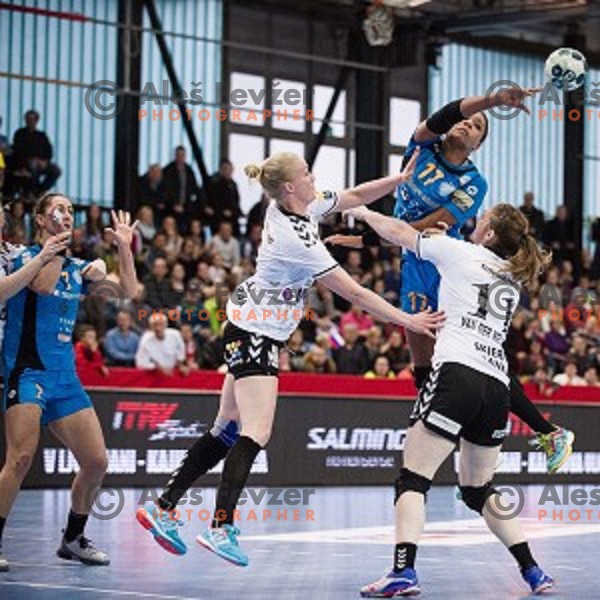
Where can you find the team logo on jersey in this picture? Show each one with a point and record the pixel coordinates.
(462, 200)
(472, 190)
(39, 391)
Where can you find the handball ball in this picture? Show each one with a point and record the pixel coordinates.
(566, 68)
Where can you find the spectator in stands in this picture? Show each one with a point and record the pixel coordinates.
(151, 191)
(533, 360)
(252, 242)
(216, 270)
(256, 216)
(158, 287)
(559, 235)
(121, 342)
(578, 353)
(351, 358)
(358, 317)
(534, 215)
(223, 198)
(161, 348)
(177, 281)
(354, 263)
(226, 245)
(196, 232)
(396, 351)
(569, 377)
(556, 344)
(78, 246)
(542, 380)
(591, 377)
(188, 257)
(373, 342)
(190, 345)
(88, 358)
(201, 285)
(146, 227)
(181, 189)
(17, 220)
(94, 227)
(381, 369)
(158, 249)
(32, 157)
(317, 361)
(174, 239)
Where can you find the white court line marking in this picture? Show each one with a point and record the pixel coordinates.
(341, 554)
(466, 532)
(53, 586)
(67, 565)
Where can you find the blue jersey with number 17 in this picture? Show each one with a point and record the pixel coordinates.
(39, 328)
(436, 184)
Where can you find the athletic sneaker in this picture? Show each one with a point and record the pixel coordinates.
(557, 445)
(82, 549)
(3, 562)
(163, 527)
(403, 583)
(223, 542)
(537, 579)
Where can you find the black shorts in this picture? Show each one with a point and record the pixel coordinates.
(248, 354)
(459, 402)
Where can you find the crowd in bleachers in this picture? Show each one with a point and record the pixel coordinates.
(194, 245)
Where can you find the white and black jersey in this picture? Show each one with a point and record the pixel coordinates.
(8, 252)
(290, 258)
(479, 300)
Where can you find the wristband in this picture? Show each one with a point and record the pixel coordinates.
(444, 119)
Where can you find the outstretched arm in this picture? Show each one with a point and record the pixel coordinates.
(12, 284)
(341, 283)
(454, 112)
(368, 192)
(394, 230)
(122, 232)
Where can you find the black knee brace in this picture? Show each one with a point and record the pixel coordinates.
(475, 497)
(408, 481)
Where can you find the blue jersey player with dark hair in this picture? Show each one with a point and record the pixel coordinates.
(41, 384)
(446, 190)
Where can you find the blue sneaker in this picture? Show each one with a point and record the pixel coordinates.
(403, 583)
(163, 527)
(223, 542)
(537, 579)
(557, 445)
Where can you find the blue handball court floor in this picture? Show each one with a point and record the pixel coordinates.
(327, 554)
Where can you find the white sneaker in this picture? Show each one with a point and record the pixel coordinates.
(82, 549)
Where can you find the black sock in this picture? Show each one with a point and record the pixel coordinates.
(522, 555)
(524, 408)
(421, 374)
(75, 525)
(235, 474)
(2, 524)
(201, 457)
(404, 556)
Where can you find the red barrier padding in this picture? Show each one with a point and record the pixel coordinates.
(42, 12)
(306, 384)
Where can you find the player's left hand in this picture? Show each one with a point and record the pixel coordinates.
(426, 322)
(515, 96)
(122, 229)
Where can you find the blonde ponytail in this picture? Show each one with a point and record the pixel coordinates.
(275, 171)
(529, 262)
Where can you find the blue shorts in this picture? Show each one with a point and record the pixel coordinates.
(58, 393)
(420, 284)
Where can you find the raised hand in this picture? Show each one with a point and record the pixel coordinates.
(515, 96)
(409, 169)
(122, 229)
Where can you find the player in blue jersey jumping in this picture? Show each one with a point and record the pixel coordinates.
(447, 189)
(41, 386)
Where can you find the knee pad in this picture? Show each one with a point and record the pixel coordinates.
(475, 497)
(408, 481)
(226, 431)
